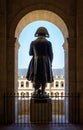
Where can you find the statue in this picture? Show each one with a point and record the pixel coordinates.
(40, 67)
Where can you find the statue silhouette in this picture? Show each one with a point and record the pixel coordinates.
(40, 67)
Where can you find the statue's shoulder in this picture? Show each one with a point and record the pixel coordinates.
(34, 41)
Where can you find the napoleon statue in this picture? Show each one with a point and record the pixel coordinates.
(40, 66)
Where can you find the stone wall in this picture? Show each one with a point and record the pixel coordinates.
(79, 71)
(11, 13)
(3, 58)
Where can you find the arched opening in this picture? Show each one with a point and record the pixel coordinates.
(61, 84)
(56, 20)
(57, 94)
(27, 84)
(27, 93)
(22, 93)
(27, 36)
(53, 18)
(62, 94)
(52, 93)
(47, 16)
(22, 84)
(57, 40)
(57, 84)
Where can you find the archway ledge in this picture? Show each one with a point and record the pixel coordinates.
(37, 15)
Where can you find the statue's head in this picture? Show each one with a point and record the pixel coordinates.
(42, 31)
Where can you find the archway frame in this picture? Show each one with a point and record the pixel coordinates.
(13, 45)
(47, 16)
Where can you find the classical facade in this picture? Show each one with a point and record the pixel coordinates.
(68, 17)
(57, 88)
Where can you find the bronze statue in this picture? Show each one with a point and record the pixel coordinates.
(40, 67)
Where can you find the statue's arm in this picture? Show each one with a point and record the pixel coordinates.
(50, 52)
(31, 49)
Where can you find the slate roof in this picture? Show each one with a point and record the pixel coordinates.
(56, 72)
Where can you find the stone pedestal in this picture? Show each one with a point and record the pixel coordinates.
(40, 110)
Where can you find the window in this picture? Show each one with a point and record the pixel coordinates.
(62, 94)
(57, 83)
(27, 93)
(22, 94)
(57, 94)
(62, 84)
(27, 84)
(22, 84)
(52, 94)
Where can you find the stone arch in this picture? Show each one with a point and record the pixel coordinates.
(12, 49)
(47, 16)
(38, 7)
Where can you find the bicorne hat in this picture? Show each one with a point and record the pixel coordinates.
(42, 30)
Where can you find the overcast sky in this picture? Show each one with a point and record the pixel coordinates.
(27, 35)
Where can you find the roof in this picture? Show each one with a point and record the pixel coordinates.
(56, 72)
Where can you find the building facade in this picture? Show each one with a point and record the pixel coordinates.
(57, 88)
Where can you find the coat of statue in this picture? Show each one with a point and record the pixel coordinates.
(40, 67)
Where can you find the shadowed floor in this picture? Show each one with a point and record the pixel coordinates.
(43, 127)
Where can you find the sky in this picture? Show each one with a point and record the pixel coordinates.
(27, 35)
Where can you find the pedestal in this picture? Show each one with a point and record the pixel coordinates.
(40, 110)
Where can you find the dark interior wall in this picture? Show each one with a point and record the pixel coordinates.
(11, 11)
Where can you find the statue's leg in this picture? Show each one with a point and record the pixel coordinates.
(43, 87)
(36, 86)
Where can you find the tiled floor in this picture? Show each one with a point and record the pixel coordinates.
(43, 127)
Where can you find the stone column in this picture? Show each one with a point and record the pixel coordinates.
(80, 57)
(17, 45)
(25, 84)
(72, 76)
(59, 84)
(65, 46)
(16, 76)
(3, 49)
(12, 78)
(19, 84)
(72, 65)
(10, 65)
